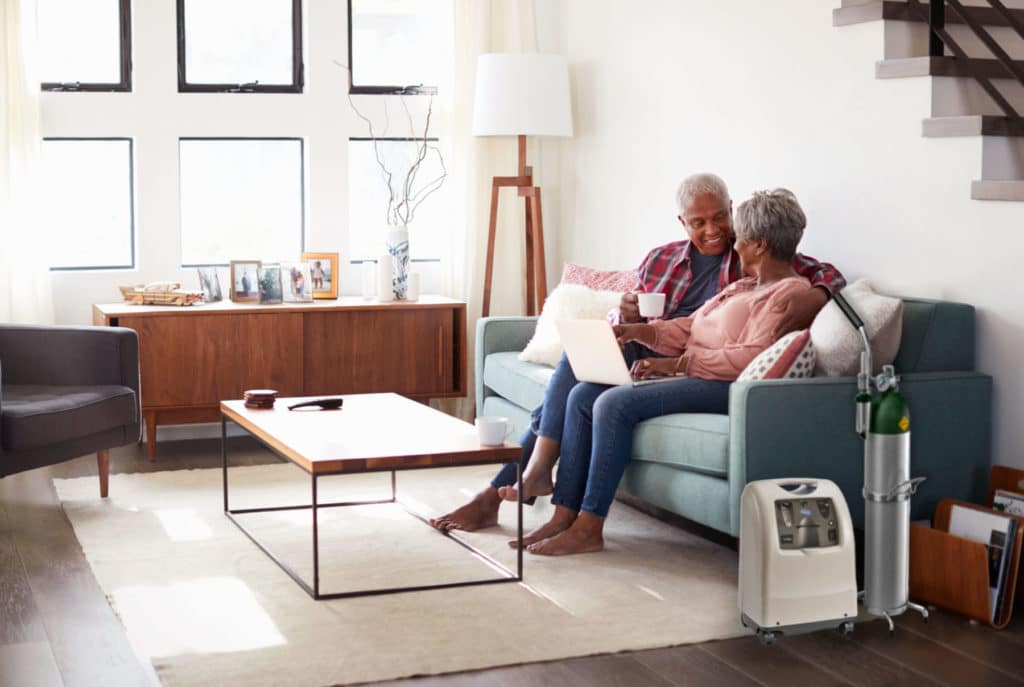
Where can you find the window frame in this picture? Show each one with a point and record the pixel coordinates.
(298, 66)
(125, 84)
(131, 201)
(355, 89)
(302, 188)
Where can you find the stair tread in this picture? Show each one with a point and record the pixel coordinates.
(900, 11)
(941, 66)
(971, 125)
(997, 189)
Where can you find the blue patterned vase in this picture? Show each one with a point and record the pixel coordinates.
(398, 249)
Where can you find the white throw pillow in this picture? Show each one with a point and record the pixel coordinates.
(566, 302)
(838, 345)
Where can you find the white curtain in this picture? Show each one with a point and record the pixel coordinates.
(482, 26)
(25, 292)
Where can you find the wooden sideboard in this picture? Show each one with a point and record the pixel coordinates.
(194, 357)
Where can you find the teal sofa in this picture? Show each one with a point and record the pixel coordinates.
(696, 465)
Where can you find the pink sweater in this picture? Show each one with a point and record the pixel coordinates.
(728, 331)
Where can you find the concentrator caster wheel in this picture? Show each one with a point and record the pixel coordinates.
(766, 637)
(847, 628)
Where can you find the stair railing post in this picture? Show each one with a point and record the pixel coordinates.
(936, 22)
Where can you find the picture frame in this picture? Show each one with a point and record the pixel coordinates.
(209, 282)
(326, 266)
(245, 281)
(270, 291)
(296, 282)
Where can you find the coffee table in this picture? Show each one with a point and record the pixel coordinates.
(371, 433)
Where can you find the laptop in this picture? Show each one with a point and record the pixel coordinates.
(595, 356)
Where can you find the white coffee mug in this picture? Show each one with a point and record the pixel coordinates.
(493, 431)
(651, 304)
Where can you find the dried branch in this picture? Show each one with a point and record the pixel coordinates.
(401, 207)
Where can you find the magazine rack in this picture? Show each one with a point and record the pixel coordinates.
(953, 573)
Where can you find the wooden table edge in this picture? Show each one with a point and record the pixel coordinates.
(486, 455)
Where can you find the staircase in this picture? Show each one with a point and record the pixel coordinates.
(974, 93)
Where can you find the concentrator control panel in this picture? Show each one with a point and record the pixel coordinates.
(806, 523)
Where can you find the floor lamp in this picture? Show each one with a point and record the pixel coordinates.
(521, 94)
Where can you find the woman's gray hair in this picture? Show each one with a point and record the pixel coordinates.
(697, 185)
(774, 216)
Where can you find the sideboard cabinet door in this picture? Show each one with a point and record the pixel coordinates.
(408, 352)
(198, 360)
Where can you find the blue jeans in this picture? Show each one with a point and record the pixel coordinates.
(548, 419)
(598, 439)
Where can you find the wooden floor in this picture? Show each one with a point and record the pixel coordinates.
(56, 627)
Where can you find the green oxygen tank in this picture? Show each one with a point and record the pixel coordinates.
(887, 491)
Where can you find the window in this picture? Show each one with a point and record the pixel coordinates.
(368, 198)
(398, 46)
(240, 46)
(85, 45)
(89, 217)
(241, 199)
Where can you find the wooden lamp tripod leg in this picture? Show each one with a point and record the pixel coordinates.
(530, 291)
(539, 268)
(485, 309)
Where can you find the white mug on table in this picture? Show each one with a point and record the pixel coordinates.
(493, 431)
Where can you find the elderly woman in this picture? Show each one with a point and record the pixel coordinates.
(708, 350)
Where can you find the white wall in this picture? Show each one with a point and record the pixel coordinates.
(155, 115)
(770, 94)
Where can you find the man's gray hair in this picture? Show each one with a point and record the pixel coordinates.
(697, 185)
(774, 216)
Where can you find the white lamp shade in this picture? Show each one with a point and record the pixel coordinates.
(522, 94)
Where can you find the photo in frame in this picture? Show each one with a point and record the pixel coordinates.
(270, 292)
(209, 282)
(245, 281)
(323, 274)
(296, 282)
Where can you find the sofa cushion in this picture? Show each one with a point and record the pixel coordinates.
(599, 280)
(34, 416)
(791, 357)
(519, 381)
(837, 344)
(697, 442)
(566, 302)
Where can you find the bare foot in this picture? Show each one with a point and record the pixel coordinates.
(536, 482)
(537, 476)
(479, 513)
(585, 536)
(559, 522)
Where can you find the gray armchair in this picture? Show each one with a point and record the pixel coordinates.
(66, 392)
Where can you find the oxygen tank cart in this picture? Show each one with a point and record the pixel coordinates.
(883, 421)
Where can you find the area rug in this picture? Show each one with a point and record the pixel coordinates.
(206, 607)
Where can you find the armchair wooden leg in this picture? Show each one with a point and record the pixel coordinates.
(103, 465)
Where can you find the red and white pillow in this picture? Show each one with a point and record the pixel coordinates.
(790, 357)
(599, 280)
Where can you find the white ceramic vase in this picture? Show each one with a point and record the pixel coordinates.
(398, 249)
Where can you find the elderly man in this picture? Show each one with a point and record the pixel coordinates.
(689, 272)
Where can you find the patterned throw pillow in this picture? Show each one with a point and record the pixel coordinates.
(599, 280)
(790, 357)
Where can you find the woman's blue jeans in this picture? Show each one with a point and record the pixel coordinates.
(548, 419)
(598, 439)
